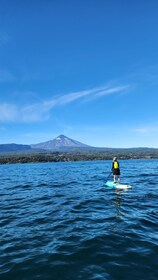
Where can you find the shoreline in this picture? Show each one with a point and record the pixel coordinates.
(70, 157)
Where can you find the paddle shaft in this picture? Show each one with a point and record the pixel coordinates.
(108, 176)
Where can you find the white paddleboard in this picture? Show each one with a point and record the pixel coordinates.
(111, 184)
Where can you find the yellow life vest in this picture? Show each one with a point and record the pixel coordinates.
(116, 165)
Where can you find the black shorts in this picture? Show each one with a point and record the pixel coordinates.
(116, 171)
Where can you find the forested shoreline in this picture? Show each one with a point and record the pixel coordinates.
(13, 158)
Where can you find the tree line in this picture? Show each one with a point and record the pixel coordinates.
(76, 156)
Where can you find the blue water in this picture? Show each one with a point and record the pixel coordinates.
(59, 221)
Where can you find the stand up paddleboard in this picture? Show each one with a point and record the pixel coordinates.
(111, 184)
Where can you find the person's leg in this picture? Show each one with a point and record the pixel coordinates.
(119, 179)
(114, 178)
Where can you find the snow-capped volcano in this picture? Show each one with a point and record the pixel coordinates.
(59, 142)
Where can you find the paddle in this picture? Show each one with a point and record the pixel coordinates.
(108, 177)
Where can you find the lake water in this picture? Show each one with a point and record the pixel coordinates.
(59, 221)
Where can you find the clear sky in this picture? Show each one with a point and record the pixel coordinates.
(87, 69)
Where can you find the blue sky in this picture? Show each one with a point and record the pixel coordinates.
(84, 68)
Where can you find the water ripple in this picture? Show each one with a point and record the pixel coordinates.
(58, 221)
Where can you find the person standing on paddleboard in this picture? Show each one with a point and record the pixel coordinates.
(116, 169)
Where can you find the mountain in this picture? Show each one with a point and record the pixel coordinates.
(10, 148)
(64, 143)
(60, 142)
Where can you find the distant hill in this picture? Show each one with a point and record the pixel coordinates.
(58, 143)
(5, 148)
